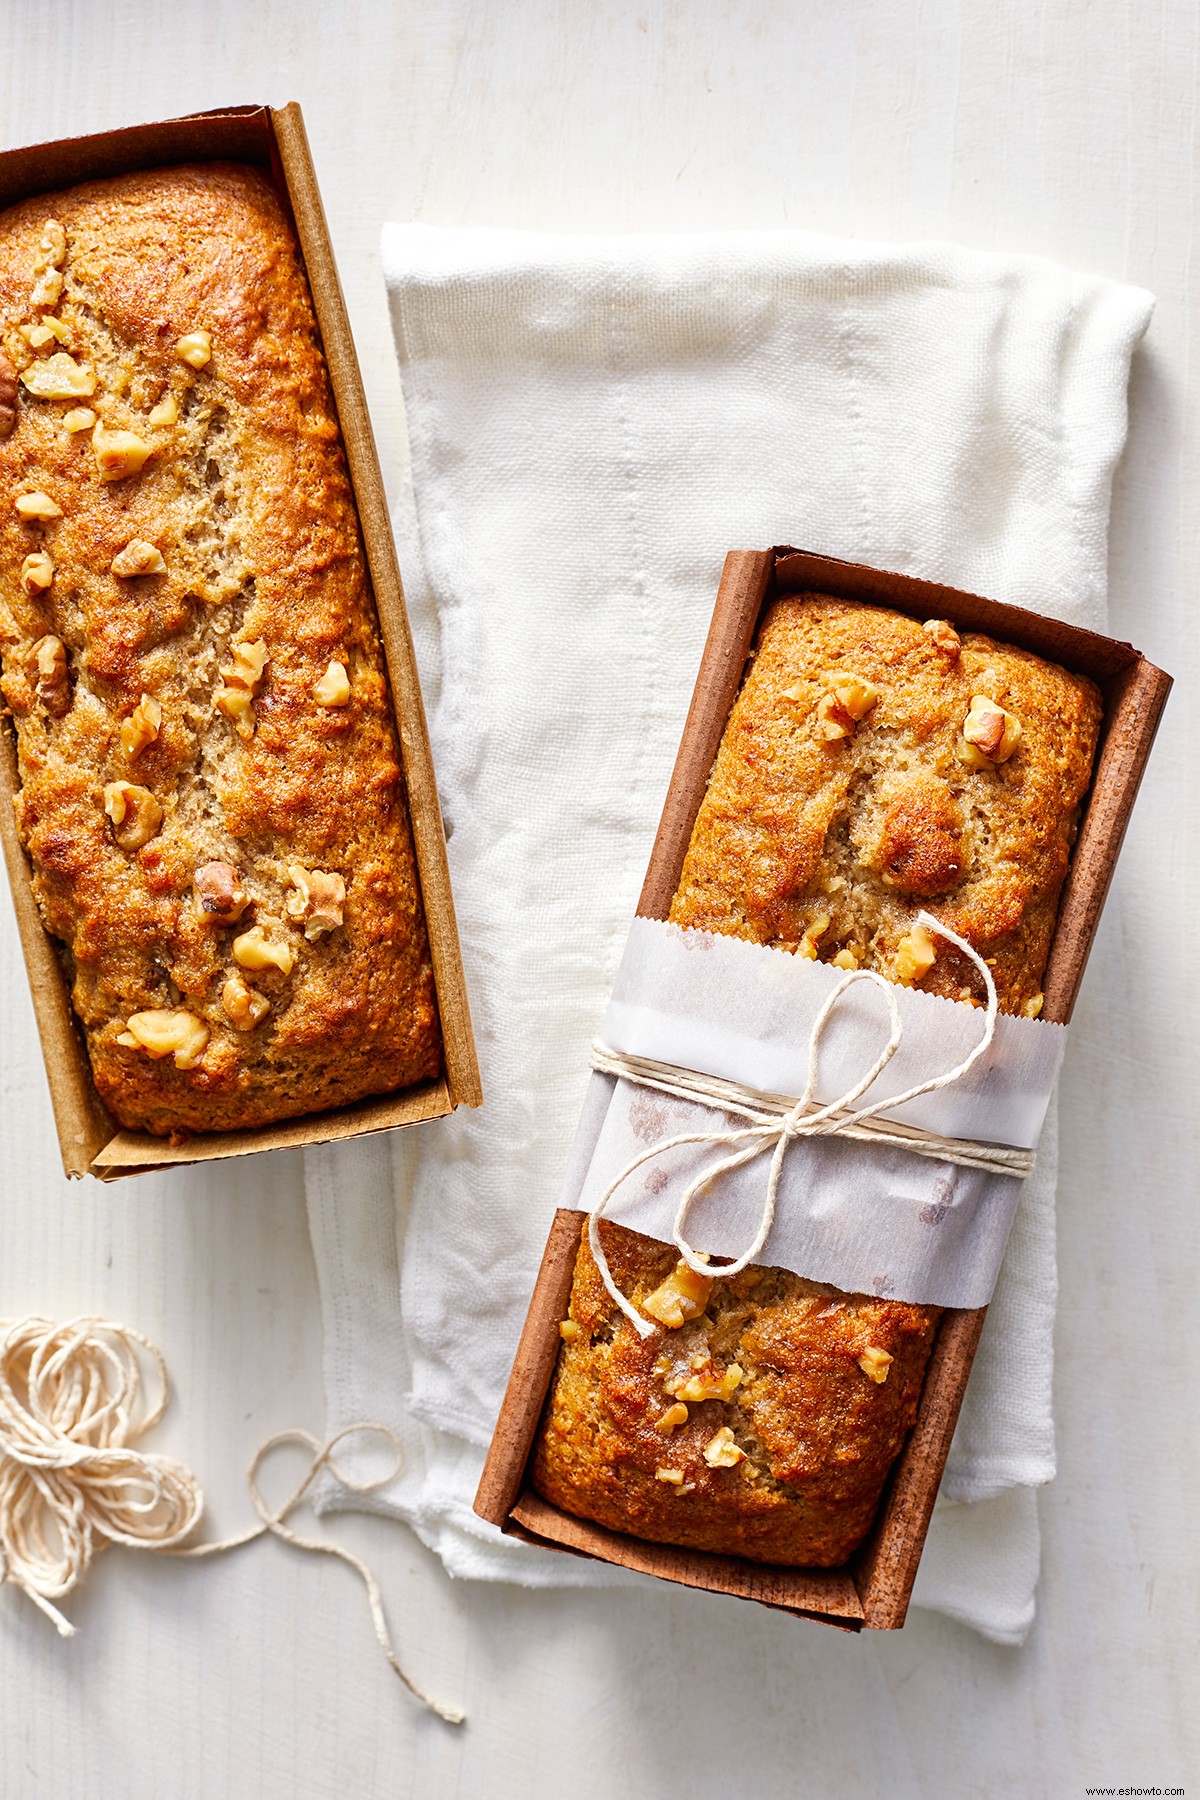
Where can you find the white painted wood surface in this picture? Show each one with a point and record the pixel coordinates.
(1063, 128)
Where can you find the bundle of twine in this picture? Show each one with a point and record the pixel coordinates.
(73, 1404)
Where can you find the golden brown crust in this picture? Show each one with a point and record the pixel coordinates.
(818, 1433)
(834, 814)
(245, 496)
(868, 829)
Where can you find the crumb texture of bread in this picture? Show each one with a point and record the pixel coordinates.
(223, 851)
(830, 845)
(787, 1467)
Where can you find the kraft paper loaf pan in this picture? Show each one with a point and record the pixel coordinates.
(90, 1140)
(873, 1588)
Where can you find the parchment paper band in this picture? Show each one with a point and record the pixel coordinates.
(707, 1071)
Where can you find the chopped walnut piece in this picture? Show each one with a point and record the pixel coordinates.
(674, 1416)
(49, 675)
(333, 689)
(59, 377)
(846, 959)
(37, 573)
(707, 1382)
(244, 1006)
(916, 954)
(138, 558)
(141, 727)
(47, 289)
(682, 1296)
(167, 1032)
(721, 1452)
(568, 1331)
(47, 266)
(166, 412)
(118, 454)
(1033, 1007)
(254, 950)
(239, 684)
(318, 897)
(807, 947)
(238, 707)
(875, 1362)
(855, 696)
(8, 396)
(984, 725)
(52, 248)
(833, 721)
(49, 263)
(674, 1476)
(943, 637)
(80, 418)
(37, 506)
(48, 330)
(249, 661)
(194, 348)
(220, 897)
(990, 731)
(136, 815)
(849, 699)
(296, 903)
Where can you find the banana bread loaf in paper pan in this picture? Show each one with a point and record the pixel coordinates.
(872, 766)
(211, 791)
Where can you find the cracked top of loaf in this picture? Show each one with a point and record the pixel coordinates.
(875, 765)
(211, 792)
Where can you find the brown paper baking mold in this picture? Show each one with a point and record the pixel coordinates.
(873, 1589)
(90, 1140)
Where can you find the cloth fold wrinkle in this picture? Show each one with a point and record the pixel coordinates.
(593, 423)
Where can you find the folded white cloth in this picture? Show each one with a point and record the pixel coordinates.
(593, 423)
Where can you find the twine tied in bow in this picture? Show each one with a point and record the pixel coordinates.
(774, 1124)
(71, 1408)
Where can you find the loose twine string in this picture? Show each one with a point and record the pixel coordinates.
(71, 1405)
(777, 1121)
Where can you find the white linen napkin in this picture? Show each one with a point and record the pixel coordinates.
(593, 423)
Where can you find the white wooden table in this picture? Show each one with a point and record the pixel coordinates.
(1062, 128)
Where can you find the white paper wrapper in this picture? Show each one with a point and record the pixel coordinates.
(863, 1217)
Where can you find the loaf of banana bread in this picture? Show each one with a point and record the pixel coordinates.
(211, 792)
(872, 766)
